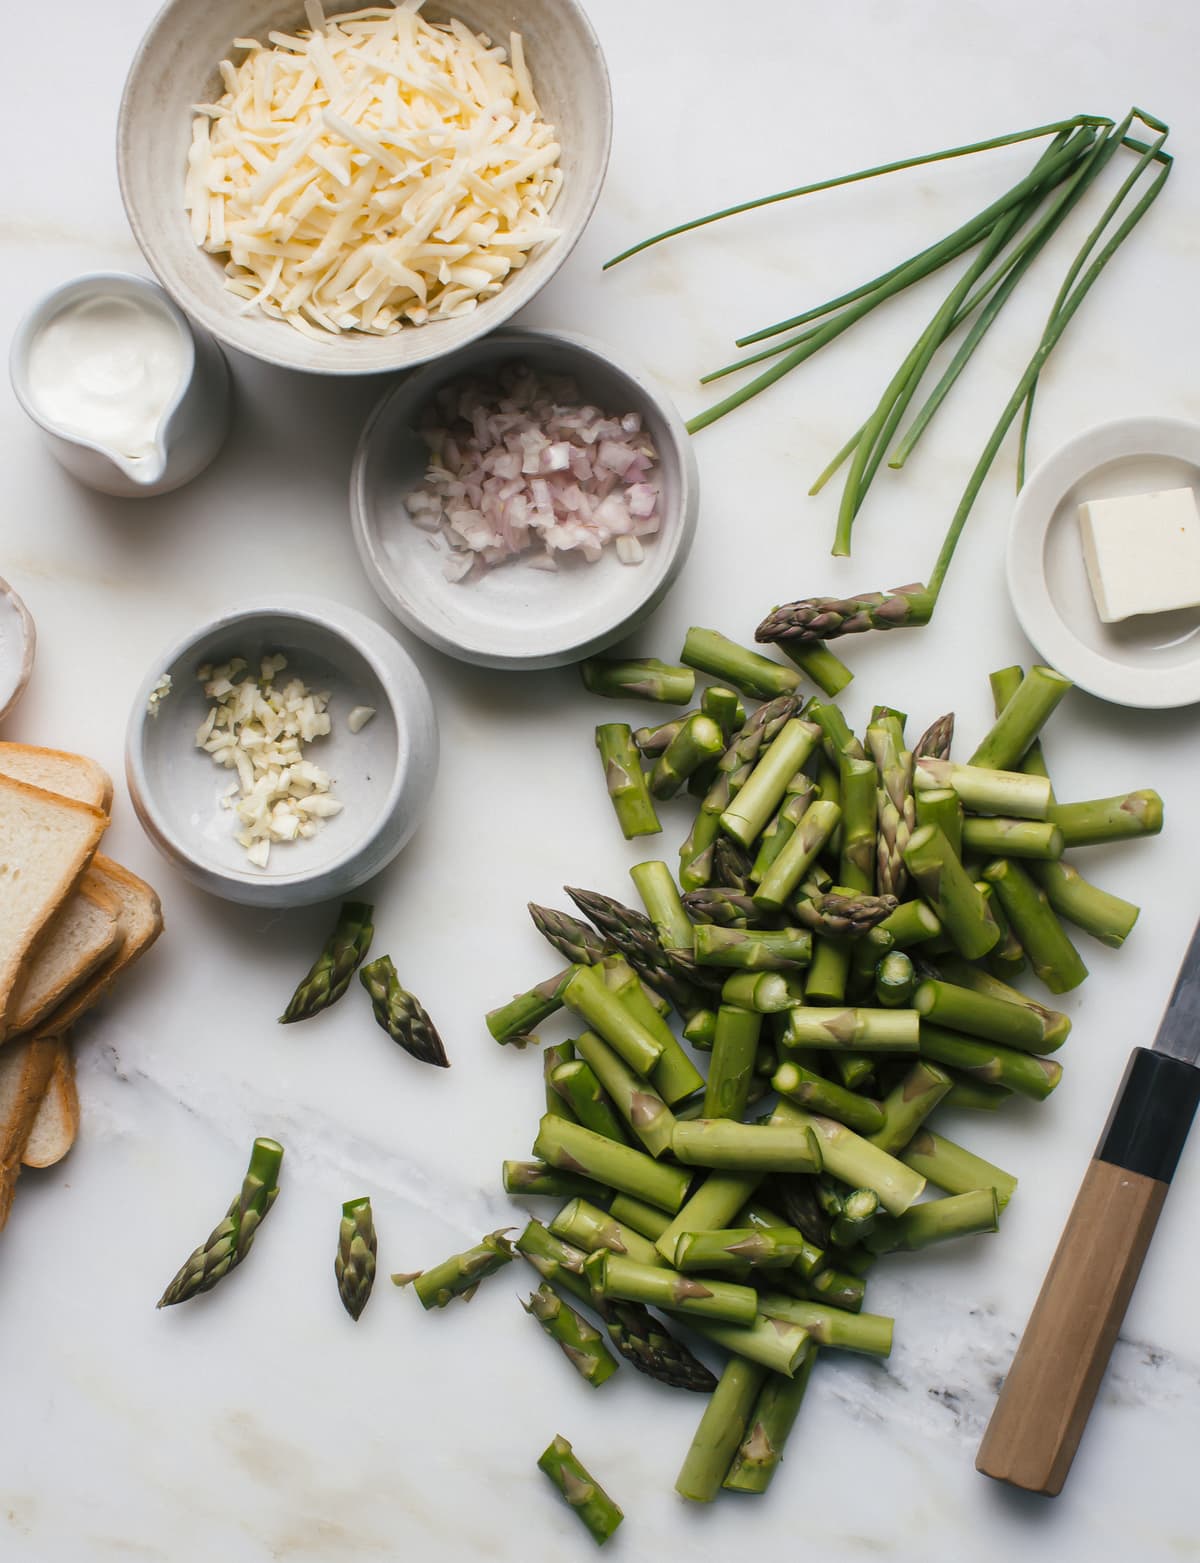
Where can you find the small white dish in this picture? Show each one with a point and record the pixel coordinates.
(517, 616)
(18, 643)
(1151, 661)
(193, 424)
(383, 774)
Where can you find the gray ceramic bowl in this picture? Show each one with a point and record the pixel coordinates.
(177, 67)
(516, 616)
(383, 774)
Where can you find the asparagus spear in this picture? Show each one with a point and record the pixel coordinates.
(330, 974)
(877, 1030)
(780, 829)
(573, 940)
(1008, 793)
(1023, 838)
(866, 1332)
(774, 1344)
(643, 1218)
(576, 1083)
(725, 908)
(771, 1421)
(951, 892)
(948, 1166)
(594, 1507)
(698, 741)
(721, 1431)
(638, 1103)
(512, 1024)
(701, 1029)
(586, 993)
(764, 791)
(895, 980)
(815, 660)
(612, 1275)
(674, 1077)
(732, 866)
(651, 741)
(725, 707)
(936, 1221)
(824, 618)
(1056, 1026)
(1052, 955)
(934, 743)
(581, 1343)
(354, 1263)
(1108, 819)
(818, 1095)
(401, 1014)
(554, 1260)
(735, 1045)
(843, 912)
(229, 1242)
(672, 972)
(572, 1148)
(907, 1105)
(713, 1204)
(975, 1095)
(535, 1177)
(753, 949)
(855, 1221)
(856, 868)
(854, 1160)
(991, 1064)
(642, 678)
(811, 1258)
(556, 1100)
(741, 1249)
(461, 1274)
(940, 806)
(980, 1015)
(710, 652)
(626, 784)
(896, 807)
(798, 855)
(589, 1228)
(660, 896)
(745, 1147)
(766, 992)
(1021, 719)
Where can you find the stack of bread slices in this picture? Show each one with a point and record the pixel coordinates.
(71, 921)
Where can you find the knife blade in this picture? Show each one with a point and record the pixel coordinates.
(1051, 1386)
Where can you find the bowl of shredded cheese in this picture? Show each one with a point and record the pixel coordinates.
(283, 754)
(351, 190)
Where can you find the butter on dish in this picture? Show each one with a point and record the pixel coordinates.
(1142, 553)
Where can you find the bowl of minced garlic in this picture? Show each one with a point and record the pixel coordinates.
(351, 191)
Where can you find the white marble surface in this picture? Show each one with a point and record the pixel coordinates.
(259, 1424)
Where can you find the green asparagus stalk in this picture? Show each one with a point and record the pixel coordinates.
(753, 949)
(811, 1258)
(674, 1077)
(733, 867)
(660, 896)
(745, 1147)
(735, 1046)
(643, 1340)
(1023, 838)
(230, 1241)
(840, 1288)
(726, 908)
(697, 742)
(555, 1261)
(556, 1102)
(572, 1148)
(983, 791)
(818, 1095)
(1056, 1026)
(748, 671)
(354, 1262)
(747, 815)
(725, 707)
(940, 806)
(936, 1221)
(535, 1177)
(741, 1249)
(895, 981)
(1021, 719)
(573, 940)
(670, 972)
(818, 664)
(866, 1332)
(856, 869)
(401, 1014)
(774, 1344)
(873, 1030)
(842, 912)
(781, 827)
(461, 1274)
(612, 1275)
(587, 1227)
(907, 1105)
(799, 854)
(713, 1205)
(855, 1160)
(701, 1029)
(856, 1220)
(1051, 954)
(643, 678)
(595, 1508)
(625, 781)
(897, 810)
(771, 1421)
(651, 741)
(1106, 917)
(935, 742)
(948, 1166)
(912, 923)
(980, 1015)
(639, 1217)
(721, 1431)
(766, 992)
(1006, 958)
(580, 1342)
(577, 1085)
(637, 1102)
(512, 1023)
(991, 1064)
(949, 889)
(585, 992)
(1101, 820)
(330, 974)
(974, 1095)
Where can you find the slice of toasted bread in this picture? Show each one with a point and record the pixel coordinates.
(57, 1121)
(70, 775)
(46, 843)
(84, 934)
(25, 1069)
(141, 921)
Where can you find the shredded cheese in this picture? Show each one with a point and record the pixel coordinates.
(375, 170)
(258, 728)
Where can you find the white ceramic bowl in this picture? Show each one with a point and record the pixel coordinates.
(382, 774)
(18, 643)
(516, 616)
(1152, 660)
(177, 67)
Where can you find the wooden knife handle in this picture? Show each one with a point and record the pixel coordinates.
(1052, 1384)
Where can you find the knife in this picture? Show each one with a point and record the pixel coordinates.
(1040, 1416)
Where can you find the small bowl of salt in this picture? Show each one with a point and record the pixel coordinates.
(525, 503)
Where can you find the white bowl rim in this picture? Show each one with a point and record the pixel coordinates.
(484, 319)
(28, 649)
(667, 561)
(328, 615)
(1108, 678)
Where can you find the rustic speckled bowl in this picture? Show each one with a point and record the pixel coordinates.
(177, 67)
(383, 774)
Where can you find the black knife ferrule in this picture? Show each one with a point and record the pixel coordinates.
(1152, 1115)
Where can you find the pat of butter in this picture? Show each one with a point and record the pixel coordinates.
(1142, 553)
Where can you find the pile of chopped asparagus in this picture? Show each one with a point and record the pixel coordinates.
(852, 912)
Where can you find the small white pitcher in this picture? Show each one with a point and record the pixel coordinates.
(193, 424)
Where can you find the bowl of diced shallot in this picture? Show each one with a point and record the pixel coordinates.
(525, 503)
